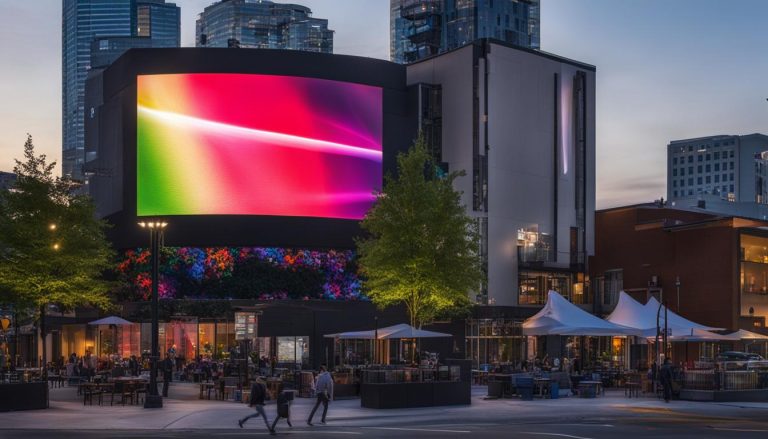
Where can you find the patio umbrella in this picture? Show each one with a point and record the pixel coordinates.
(111, 320)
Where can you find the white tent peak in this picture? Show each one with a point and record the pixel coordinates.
(561, 317)
(743, 334)
(675, 320)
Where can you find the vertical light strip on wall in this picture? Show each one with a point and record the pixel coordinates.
(566, 98)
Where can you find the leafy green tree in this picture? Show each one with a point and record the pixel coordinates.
(52, 246)
(422, 247)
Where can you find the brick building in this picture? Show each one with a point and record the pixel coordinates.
(710, 269)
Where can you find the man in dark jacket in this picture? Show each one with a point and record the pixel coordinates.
(665, 375)
(258, 394)
(167, 368)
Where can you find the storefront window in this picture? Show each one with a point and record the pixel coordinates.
(128, 338)
(76, 340)
(225, 338)
(207, 342)
(534, 286)
(753, 276)
(293, 351)
(491, 342)
(181, 338)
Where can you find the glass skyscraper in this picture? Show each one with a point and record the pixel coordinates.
(93, 34)
(262, 24)
(421, 28)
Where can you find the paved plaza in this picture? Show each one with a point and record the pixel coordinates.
(184, 416)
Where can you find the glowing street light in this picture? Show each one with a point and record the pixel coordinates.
(153, 399)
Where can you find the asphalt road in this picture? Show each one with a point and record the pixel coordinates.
(666, 426)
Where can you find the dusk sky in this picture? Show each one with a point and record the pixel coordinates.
(665, 70)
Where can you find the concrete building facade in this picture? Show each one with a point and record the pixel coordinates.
(521, 123)
(422, 28)
(156, 22)
(261, 24)
(725, 174)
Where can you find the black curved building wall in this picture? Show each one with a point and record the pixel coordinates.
(111, 134)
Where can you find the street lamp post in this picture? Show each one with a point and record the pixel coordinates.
(677, 285)
(153, 399)
(375, 339)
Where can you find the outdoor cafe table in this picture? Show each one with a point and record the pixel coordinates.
(541, 384)
(131, 379)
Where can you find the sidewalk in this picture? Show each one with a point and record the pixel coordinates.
(184, 411)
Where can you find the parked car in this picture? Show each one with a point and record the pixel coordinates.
(732, 360)
(738, 356)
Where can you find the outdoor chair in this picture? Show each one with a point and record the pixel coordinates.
(632, 385)
(140, 390)
(128, 393)
(89, 392)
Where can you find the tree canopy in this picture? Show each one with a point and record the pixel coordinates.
(422, 247)
(52, 247)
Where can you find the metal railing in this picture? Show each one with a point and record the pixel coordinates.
(724, 380)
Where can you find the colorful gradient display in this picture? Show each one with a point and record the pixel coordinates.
(241, 144)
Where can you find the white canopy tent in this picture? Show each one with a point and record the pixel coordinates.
(743, 334)
(702, 335)
(631, 313)
(561, 317)
(749, 338)
(675, 321)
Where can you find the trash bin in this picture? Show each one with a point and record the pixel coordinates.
(525, 388)
(554, 390)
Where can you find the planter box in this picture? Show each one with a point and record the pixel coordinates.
(408, 395)
(756, 395)
(23, 396)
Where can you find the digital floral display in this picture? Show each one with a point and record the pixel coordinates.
(262, 273)
(244, 144)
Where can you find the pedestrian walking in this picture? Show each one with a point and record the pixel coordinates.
(258, 394)
(167, 367)
(324, 392)
(283, 408)
(666, 379)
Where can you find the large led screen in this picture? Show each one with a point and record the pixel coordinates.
(243, 144)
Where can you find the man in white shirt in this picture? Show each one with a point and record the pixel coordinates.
(324, 392)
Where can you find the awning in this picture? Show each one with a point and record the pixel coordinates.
(390, 332)
(561, 317)
(111, 320)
